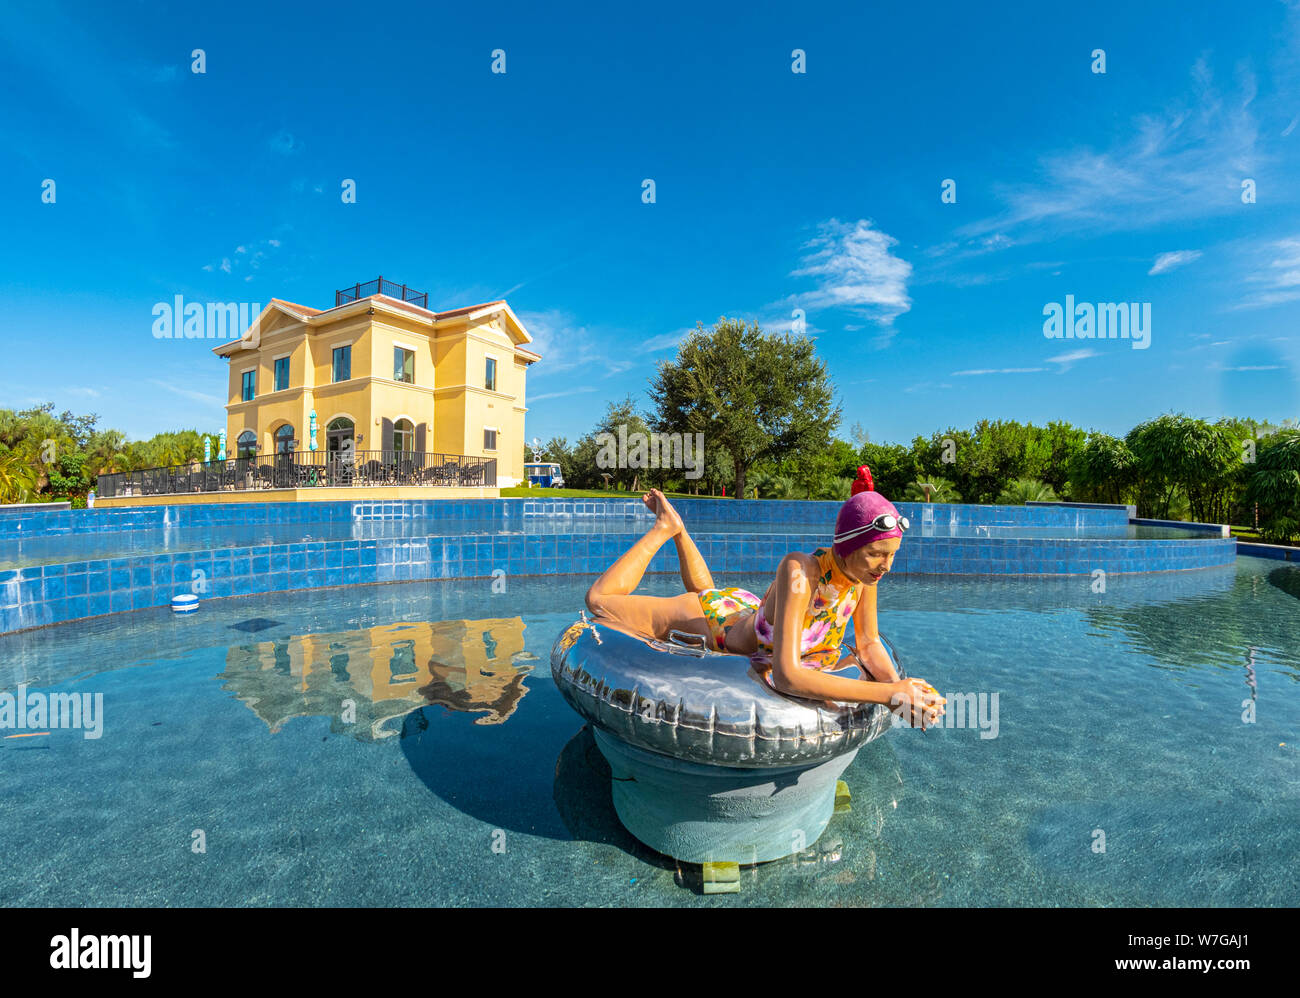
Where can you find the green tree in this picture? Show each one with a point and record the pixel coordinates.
(818, 471)
(70, 477)
(752, 395)
(946, 450)
(17, 477)
(1024, 490)
(1063, 441)
(931, 488)
(1103, 470)
(893, 467)
(1274, 485)
(1174, 452)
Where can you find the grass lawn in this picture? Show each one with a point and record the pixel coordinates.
(1253, 535)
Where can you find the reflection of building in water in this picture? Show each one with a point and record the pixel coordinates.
(363, 678)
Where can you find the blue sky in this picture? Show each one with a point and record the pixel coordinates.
(775, 191)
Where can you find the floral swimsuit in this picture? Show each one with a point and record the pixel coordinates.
(829, 611)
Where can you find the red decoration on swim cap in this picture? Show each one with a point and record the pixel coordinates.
(863, 482)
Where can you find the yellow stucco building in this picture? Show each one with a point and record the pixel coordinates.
(383, 374)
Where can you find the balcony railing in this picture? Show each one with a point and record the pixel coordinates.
(304, 469)
(380, 286)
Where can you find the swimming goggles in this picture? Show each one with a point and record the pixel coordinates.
(884, 522)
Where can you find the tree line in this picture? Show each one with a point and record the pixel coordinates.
(766, 412)
(44, 457)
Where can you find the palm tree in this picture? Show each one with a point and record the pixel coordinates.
(107, 452)
(1023, 490)
(931, 489)
(17, 477)
(840, 487)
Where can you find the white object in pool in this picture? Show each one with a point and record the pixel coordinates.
(185, 603)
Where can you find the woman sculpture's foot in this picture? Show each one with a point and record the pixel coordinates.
(666, 518)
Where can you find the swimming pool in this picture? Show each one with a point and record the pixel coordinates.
(60, 566)
(464, 779)
(54, 549)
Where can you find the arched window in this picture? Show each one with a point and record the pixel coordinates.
(404, 436)
(284, 441)
(340, 435)
(246, 445)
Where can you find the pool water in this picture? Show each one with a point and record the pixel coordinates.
(55, 549)
(404, 744)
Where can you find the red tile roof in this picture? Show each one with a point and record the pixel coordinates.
(389, 300)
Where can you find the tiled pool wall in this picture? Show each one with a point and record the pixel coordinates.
(763, 511)
(49, 594)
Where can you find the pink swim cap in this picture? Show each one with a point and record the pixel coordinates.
(858, 513)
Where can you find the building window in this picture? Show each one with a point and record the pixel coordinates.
(340, 437)
(281, 374)
(342, 363)
(250, 386)
(284, 442)
(404, 365)
(246, 445)
(490, 376)
(403, 436)
(489, 439)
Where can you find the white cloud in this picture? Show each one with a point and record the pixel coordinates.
(1000, 370)
(1182, 162)
(1070, 358)
(560, 395)
(246, 255)
(854, 269)
(1273, 271)
(925, 386)
(1166, 262)
(567, 345)
(188, 393)
(663, 341)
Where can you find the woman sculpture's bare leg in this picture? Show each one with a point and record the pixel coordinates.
(610, 599)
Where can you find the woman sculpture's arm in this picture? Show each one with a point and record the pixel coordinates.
(791, 594)
(866, 638)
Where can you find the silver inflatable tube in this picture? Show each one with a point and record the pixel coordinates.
(684, 700)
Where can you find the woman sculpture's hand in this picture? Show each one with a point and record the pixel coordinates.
(916, 701)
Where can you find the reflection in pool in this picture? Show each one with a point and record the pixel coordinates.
(362, 679)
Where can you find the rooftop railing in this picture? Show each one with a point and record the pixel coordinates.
(304, 469)
(380, 286)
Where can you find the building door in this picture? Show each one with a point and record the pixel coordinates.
(340, 436)
(284, 441)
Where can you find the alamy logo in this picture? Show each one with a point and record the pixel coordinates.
(965, 710)
(92, 952)
(27, 711)
(658, 450)
(1102, 321)
(217, 320)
